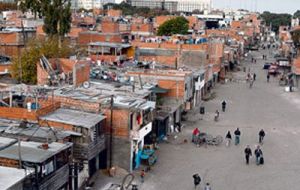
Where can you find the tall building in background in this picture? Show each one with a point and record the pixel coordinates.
(191, 5)
(89, 4)
(170, 6)
(174, 5)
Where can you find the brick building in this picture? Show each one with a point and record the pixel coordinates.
(59, 71)
(12, 42)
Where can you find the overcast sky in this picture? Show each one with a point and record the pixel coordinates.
(278, 6)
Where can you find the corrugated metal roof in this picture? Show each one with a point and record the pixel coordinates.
(74, 117)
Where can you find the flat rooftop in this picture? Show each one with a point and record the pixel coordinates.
(74, 117)
(36, 131)
(32, 151)
(11, 176)
(5, 142)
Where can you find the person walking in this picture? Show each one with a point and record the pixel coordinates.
(251, 82)
(268, 77)
(224, 105)
(217, 114)
(202, 112)
(196, 132)
(197, 180)
(248, 153)
(258, 155)
(261, 135)
(228, 139)
(237, 134)
(248, 77)
(142, 175)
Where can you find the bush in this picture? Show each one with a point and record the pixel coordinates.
(178, 25)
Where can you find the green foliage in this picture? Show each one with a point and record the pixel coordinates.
(297, 14)
(34, 5)
(57, 17)
(178, 25)
(127, 9)
(24, 67)
(56, 13)
(276, 20)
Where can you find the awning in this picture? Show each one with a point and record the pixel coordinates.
(158, 90)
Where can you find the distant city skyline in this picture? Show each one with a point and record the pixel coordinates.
(278, 6)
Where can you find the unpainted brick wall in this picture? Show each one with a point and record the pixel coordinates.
(17, 113)
(176, 89)
(120, 122)
(9, 163)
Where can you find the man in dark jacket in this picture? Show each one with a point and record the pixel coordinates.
(237, 134)
(223, 105)
(197, 180)
(248, 153)
(258, 155)
(261, 135)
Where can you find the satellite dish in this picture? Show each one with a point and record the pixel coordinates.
(86, 84)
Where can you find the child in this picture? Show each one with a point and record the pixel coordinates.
(207, 187)
(142, 176)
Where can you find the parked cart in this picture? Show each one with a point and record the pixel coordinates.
(204, 138)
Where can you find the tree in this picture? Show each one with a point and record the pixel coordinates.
(24, 67)
(297, 14)
(57, 17)
(127, 9)
(178, 25)
(34, 5)
(57, 14)
(276, 20)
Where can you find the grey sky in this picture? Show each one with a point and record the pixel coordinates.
(278, 6)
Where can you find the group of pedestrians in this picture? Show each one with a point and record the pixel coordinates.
(248, 152)
(258, 152)
(237, 135)
(258, 155)
(264, 57)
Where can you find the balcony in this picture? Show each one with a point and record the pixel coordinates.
(55, 180)
(89, 151)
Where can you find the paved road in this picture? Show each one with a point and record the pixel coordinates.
(265, 106)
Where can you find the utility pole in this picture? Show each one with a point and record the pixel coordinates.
(111, 132)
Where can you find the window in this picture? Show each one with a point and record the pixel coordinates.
(48, 168)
